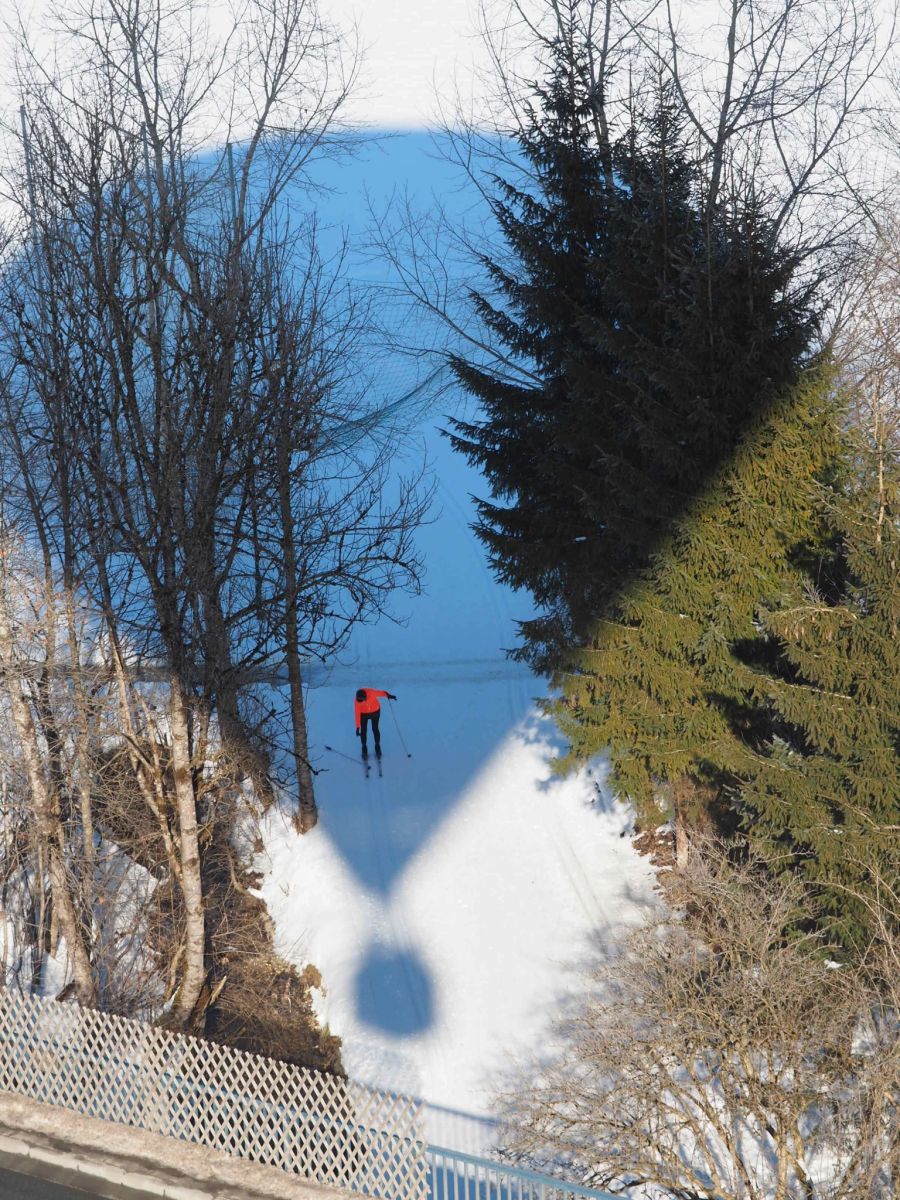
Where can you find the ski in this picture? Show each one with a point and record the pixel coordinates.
(367, 767)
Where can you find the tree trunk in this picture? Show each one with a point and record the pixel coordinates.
(191, 885)
(46, 811)
(220, 687)
(38, 923)
(84, 723)
(307, 815)
(679, 821)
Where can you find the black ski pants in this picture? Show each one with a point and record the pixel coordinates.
(364, 719)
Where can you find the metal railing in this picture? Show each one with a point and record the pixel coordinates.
(307, 1123)
(456, 1176)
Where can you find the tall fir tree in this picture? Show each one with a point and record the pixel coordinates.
(664, 340)
(666, 680)
(536, 527)
(823, 794)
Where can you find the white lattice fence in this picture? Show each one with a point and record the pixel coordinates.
(305, 1122)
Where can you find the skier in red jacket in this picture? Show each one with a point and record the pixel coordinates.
(368, 709)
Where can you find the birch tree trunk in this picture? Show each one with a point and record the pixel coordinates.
(191, 884)
(47, 818)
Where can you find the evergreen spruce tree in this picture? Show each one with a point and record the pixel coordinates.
(536, 526)
(666, 681)
(823, 795)
(665, 339)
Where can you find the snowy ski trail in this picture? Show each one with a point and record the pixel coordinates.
(450, 904)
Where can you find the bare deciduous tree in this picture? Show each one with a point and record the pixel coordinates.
(717, 1056)
(69, 893)
(780, 97)
(869, 346)
(195, 451)
(44, 771)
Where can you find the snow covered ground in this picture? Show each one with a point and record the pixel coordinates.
(448, 901)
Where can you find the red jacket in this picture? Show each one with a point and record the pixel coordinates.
(369, 705)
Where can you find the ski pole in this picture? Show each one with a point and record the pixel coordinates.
(342, 754)
(399, 734)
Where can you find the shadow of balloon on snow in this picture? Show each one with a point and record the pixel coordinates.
(380, 822)
(394, 992)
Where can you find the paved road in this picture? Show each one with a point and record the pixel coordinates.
(25, 1187)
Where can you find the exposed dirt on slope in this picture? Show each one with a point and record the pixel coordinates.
(252, 998)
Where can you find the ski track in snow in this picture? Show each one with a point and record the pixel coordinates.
(450, 904)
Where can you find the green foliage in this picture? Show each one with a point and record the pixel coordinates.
(652, 485)
(823, 796)
(659, 682)
(535, 526)
(670, 479)
(654, 333)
